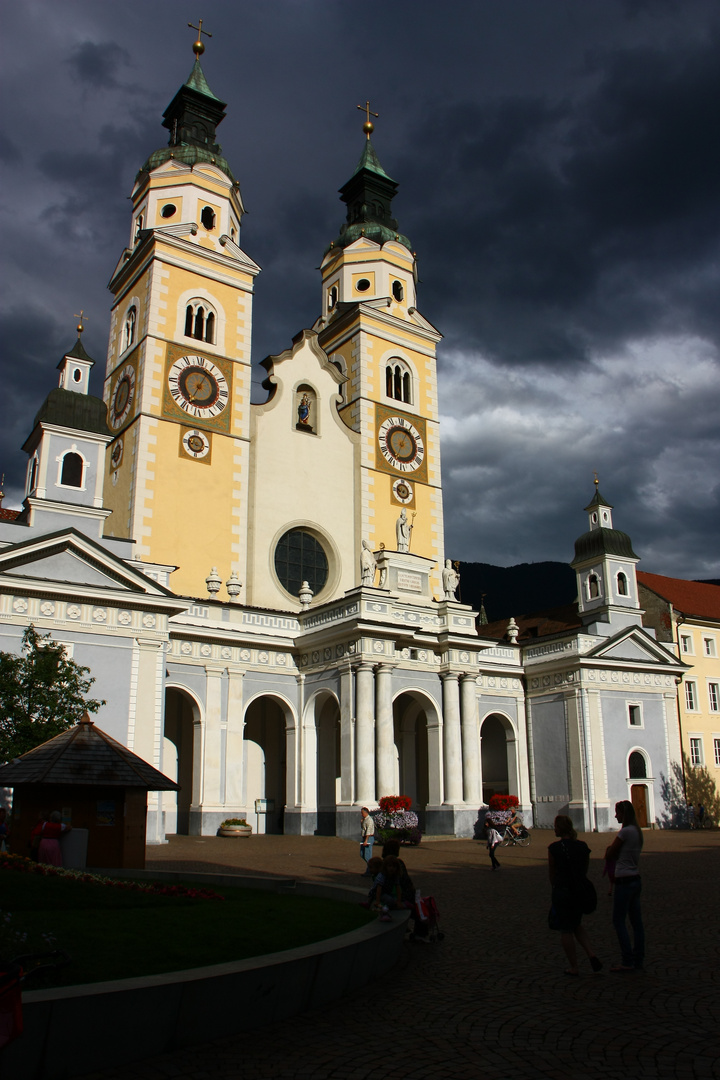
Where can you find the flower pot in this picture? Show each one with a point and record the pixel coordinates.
(235, 830)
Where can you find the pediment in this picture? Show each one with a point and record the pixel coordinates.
(634, 646)
(70, 559)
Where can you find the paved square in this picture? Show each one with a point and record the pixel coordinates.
(491, 1001)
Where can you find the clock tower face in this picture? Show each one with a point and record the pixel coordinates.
(122, 397)
(401, 444)
(198, 387)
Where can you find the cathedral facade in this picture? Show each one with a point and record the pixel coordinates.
(296, 650)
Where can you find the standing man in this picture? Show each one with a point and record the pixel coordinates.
(367, 838)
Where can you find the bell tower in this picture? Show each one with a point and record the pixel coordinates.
(370, 326)
(177, 381)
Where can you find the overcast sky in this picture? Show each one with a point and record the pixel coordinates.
(559, 172)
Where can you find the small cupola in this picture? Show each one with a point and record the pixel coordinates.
(76, 365)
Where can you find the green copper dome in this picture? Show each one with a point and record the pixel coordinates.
(368, 195)
(599, 542)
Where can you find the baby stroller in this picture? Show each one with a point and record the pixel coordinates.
(424, 920)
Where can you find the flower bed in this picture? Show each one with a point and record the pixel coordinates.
(396, 821)
(28, 866)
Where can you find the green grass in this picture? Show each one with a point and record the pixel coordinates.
(112, 934)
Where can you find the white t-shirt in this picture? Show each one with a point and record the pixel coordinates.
(628, 860)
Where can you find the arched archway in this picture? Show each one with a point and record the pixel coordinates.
(417, 734)
(265, 762)
(180, 752)
(498, 750)
(327, 729)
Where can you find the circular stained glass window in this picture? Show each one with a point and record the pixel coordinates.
(300, 557)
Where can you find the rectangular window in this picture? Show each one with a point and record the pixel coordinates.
(714, 696)
(635, 715)
(716, 745)
(709, 646)
(686, 643)
(691, 696)
(696, 751)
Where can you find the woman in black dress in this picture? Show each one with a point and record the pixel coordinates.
(568, 860)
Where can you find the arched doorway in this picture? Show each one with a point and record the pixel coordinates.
(637, 770)
(416, 731)
(265, 761)
(181, 712)
(327, 726)
(498, 757)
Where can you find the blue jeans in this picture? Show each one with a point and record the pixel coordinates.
(366, 850)
(626, 903)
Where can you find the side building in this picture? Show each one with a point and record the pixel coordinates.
(686, 616)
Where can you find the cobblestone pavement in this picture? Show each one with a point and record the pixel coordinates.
(491, 1000)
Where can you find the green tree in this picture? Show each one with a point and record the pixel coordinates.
(42, 693)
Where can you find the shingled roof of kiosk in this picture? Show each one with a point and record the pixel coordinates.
(88, 756)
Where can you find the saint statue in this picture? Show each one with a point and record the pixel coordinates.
(304, 409)
(403, 528)
(368, 564)
(450, 580)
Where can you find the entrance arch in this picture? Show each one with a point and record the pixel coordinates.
(265, 760)
(498, 756)
(417, 734)
(180, 755)
(639, 792)
(327, 728)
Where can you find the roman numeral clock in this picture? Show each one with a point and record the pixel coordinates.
(197, 393)
(401, 450)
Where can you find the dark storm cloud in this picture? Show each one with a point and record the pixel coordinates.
(568, 227)
(98, 64)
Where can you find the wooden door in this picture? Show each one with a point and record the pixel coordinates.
(638, 797)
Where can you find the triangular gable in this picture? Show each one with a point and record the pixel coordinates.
(70, 557)
(634, 645)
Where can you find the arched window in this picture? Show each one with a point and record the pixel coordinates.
(593, 587)
(128, 336)
(398, 291)
(200, 321)
(637, 766)
(138, 226)
(622, 584)
(32, 482)
(71, 474)
(398, 381)
(207, 218)
(332, 297)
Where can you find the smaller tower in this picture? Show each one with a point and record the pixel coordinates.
(66, 451)
(605, 567)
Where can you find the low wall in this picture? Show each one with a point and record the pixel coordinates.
(73, 1030)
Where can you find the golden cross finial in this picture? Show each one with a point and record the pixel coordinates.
(198, 47)
(596, 481)
(368, 126)
(82, 316)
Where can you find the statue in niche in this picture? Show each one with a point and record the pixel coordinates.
(450, 580)
(368, 564)
(403, 530)
(304, 410)
(306, 403)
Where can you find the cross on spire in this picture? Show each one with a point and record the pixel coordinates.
(83, 318)
(368, 126)
(198, 47)
(596, 482)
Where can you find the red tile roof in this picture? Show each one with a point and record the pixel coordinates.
(557, 620)
(8, 515)
(688, 597)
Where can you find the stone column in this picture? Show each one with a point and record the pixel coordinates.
(235, 749)
(384, 744)
(470, 741)
(364, 735)
(147, 734)
(213, 761)
(452, 751)
(347, 748)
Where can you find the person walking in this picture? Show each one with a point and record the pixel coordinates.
(367, 838)
(493, 841)
(572, 893)
(625, 853)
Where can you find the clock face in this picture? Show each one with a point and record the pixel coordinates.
(403, 491)
(198, 387)
(401, 444)
(117, 454)
(122, 396)
(196, 444)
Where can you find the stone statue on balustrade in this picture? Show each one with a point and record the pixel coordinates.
(450, 580)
